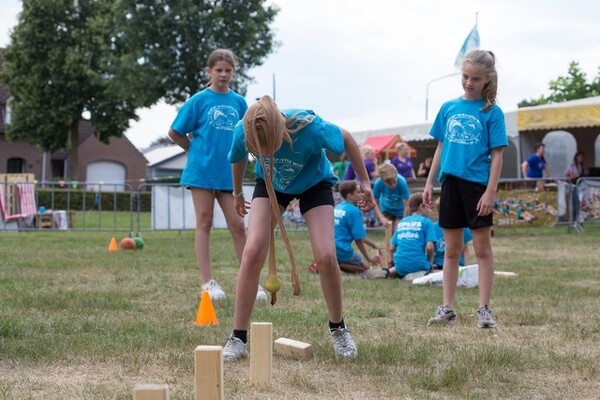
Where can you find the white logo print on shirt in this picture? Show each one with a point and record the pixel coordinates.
(223, 117)
(463, 129)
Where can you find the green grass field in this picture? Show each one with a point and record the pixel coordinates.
(79, 322)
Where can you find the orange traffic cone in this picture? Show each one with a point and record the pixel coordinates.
(113, 245)
(206, 312)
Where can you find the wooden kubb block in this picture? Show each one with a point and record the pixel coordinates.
(294, 349)
(151, 391)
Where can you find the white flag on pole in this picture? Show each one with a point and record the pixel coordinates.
(470, 43)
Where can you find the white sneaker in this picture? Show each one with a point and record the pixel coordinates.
(214, 290)
(343, 344)
(261, 295)
(234, 349)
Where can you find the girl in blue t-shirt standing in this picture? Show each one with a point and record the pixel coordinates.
(204, 128)
(471, 134)
(290, 148)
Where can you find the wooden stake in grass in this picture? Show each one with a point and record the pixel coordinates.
(261, 354)
(208, 371)
(151, 391)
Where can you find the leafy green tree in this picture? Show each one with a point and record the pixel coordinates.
(103, 59)
(57, 67)
(173, 38)
(570, 87)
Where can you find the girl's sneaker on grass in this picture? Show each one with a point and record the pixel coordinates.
(443, 316)
(375, 273)
(261, 295)
(343, 344)
(485, 318)
(214, 290)
(234, 349)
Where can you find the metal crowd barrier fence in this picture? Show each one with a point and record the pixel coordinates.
(33, 206)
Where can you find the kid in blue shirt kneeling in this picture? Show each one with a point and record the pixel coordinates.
(348, 228)
(413, 240)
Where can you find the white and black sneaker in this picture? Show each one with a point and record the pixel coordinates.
(234, 349)
(261, 295)
(214, 290)
(485, 317)
(343, 343)
(443, 316)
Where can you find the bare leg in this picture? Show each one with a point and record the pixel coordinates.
(482, 243)
(319, 221)
(235, 223)
(204, 201)
(253, 259)
(454, 247)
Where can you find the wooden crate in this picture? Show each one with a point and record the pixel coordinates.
(44, 221)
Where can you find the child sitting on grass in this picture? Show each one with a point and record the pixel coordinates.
(348, 227)
(440, 244)
(412, 244)
(413, 240)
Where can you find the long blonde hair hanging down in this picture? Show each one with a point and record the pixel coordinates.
(266, 128)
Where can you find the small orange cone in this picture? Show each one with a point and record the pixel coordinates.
(206, 312)
(113, 245)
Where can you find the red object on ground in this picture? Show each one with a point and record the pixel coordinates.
(127, 244)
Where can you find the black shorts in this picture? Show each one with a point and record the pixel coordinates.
(320, 194)
(458, 205)
(214, 190)
(393, 218)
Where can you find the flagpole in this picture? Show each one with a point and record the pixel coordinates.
(471, 42)
(427, 90)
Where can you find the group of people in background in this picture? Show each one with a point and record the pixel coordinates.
(536, 167)
(219, 132)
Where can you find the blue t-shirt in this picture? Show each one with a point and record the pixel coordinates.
(440, 245)
(535, 166)
(410, 239)
(348, 226)
(391, 201)
(302, 164)
(210, 117)
(468, 136)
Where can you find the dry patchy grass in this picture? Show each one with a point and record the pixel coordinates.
(77, 322)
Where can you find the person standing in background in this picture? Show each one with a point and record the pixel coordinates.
(573, 172)
(424, 168)
(204, 129)
(369, 157)
(535, 166)
(471, 135)
(340, 167)
(402, 161)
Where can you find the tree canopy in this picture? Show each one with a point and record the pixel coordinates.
(103, 59)
(571, 87)
(172, 39)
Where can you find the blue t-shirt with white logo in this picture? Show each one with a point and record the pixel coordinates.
(348, 226)
(468, 136)
(303, 163)
(391, 201)
(410, 239)
(440, 245)
(210, 118)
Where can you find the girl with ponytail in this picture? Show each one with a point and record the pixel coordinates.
(289, 146)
